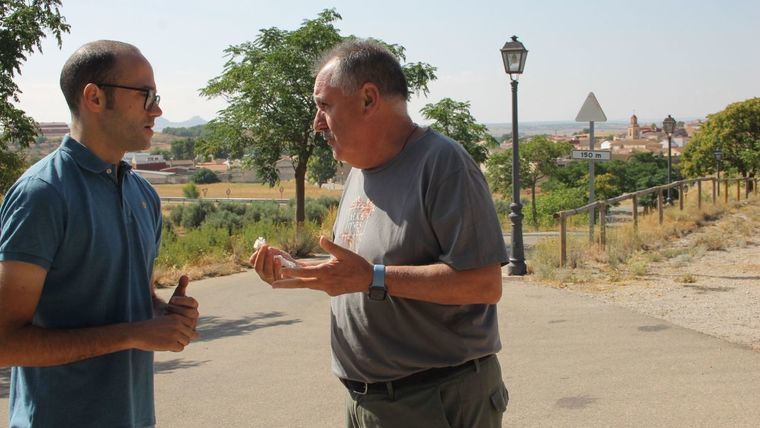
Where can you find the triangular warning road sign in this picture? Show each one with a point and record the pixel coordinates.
(591, 111)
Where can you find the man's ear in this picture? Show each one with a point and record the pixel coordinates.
(370, 96)
(93, 98)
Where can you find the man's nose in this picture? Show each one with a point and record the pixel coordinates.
(155, 110)
(319, 122)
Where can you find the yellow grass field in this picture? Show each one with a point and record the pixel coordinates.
(247, 190)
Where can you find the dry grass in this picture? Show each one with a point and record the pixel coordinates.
(247, 190)
(628, 252)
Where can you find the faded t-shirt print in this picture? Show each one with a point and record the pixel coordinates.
(361, 210)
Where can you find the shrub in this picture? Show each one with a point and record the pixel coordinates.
(223, 219)
(268, 211)
(206, 243)
(190, 191)
(302, 244)
(315, 211)
(204, 176)
(193, 215)
(233, 207)
(175, 215)
(547, 204)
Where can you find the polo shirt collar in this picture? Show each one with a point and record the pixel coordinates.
(86, 159)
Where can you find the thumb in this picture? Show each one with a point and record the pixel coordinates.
(181, 289)
(333, 248)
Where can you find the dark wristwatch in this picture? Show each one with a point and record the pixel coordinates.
(377, 289)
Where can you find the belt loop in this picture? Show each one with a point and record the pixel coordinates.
(477, 365)
(389, 386)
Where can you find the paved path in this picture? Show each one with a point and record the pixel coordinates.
(568, 361)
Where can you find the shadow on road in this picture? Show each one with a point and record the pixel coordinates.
(212, 328)
(5, 381)
(166, 367)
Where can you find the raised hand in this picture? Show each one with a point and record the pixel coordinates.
(268, 265)
(345, 272)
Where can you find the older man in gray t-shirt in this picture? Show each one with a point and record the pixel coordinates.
(427, 205)
(415, 272)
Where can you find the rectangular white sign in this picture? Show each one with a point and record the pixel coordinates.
(592, 155)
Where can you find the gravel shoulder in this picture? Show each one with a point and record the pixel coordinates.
(708, 281)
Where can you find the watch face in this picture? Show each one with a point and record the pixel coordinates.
(377, 293)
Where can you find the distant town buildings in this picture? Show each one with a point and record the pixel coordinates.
(145, 161)
(53, 130)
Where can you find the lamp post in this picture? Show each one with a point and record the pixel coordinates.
(718, 156)
(513, 54)
(669, 125)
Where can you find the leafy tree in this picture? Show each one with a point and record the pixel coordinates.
(538, 160)
(268, 84)
(183, 149)
(322, 166)
(204, 176)
(191, 132)
(163, 152)
(453, 119)
(736, 132)
(22, 27)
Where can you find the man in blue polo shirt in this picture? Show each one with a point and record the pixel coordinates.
(79, 233)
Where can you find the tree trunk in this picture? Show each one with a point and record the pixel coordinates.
(300, 195)
(533, 209)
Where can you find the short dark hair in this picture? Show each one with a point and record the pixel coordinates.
(95, 62)
(360, 61)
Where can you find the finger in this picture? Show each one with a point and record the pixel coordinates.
(185, 301)
(252, 260)
(181, 289)
(277, 269)
(188, 313)
(267, 268)
(334, 249)
(312, 283)
(258, 264)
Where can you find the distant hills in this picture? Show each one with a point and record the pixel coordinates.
(162, 123)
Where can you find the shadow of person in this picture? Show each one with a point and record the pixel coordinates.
(212, 327)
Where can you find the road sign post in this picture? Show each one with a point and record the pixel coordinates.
(591, 112)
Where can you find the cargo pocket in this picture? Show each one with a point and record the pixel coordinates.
(500, 398)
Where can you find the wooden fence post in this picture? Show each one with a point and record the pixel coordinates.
(562, 240)
(725, 193)
(716, 186)
(699, 194)
(635, 213)
(603, 224)
(681, 196)
(738, 189)
(746, 188)
(659, 205)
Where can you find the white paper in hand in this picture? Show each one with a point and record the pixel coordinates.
(285, 262)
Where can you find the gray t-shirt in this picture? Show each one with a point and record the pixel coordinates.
(429, 204)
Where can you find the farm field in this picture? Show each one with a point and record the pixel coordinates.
(248, 190)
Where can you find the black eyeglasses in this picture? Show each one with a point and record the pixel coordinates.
(151, 97)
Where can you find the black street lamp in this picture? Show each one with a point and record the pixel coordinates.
(669, 125)
(718, 156)
(513, 54)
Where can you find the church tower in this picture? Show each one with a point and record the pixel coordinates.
(634, 131)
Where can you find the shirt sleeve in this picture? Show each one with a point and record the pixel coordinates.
(32, 223)
(464, 220)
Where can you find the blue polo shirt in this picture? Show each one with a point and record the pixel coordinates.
(96, 231)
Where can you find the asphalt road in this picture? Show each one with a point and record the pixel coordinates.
(568, 361)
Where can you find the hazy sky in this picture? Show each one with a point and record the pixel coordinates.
(653, 58)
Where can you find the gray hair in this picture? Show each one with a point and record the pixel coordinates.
(361, 61)
(95, 62)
